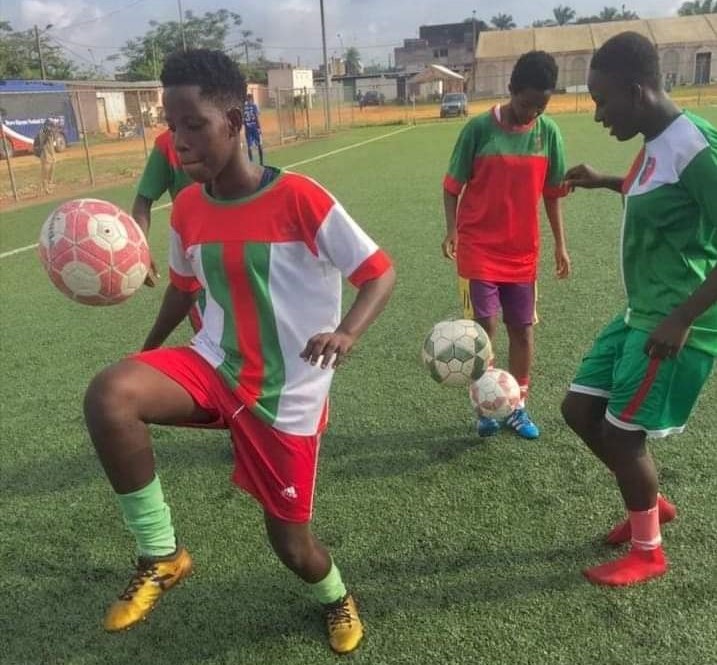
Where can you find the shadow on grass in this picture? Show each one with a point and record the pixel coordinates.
(177, 448)
(58, 612)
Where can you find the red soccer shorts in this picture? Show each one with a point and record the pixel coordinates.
(277, 468)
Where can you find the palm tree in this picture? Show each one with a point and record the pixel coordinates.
(697, 7)
(608, 14)
(563, 14)
(627, 15)
(503, 22)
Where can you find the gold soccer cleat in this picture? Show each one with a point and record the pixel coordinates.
(344, 625)
(152, 578)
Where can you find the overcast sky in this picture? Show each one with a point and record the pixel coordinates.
(90, 30)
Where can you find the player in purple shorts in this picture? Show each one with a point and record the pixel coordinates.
(492, 229)
(516, 300)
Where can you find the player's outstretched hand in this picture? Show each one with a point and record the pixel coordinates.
(562, 263)
(152, 274)
(667, 340)
(331, 348)
(450, 242)
(582, 175)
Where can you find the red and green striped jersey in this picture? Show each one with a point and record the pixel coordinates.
(500, 172)
(163, 171)
(271, 266)
(669, 231)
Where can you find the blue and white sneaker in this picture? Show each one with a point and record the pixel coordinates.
(520, 421)
(487, 426)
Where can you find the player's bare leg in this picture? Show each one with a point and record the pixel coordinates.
(302, 553)
(490, 325)
(521, 350)
(119, 403)
(488, 426)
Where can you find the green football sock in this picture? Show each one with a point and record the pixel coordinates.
(149, 519)
(330, 589)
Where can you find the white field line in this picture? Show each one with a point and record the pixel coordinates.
(26, 248)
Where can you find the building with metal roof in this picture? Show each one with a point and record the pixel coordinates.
(687, 47)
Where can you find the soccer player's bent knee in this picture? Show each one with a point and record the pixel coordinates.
(111, 395)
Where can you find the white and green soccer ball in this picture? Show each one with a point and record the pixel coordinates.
(456, 352)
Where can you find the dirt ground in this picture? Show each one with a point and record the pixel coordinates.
(122, 160)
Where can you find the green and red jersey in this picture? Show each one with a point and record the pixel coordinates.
(501, 172)
(271, 266)
(163, 171)
(669, 232)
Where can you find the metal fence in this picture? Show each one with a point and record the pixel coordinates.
(107, 134)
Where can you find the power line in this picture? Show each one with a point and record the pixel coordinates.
(317, 48)
(92, 46)
(99, 18)
(75, 53)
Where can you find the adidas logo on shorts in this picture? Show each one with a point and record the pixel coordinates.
(290, 493)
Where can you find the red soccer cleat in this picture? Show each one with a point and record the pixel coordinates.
(622, 532)
(636, 566)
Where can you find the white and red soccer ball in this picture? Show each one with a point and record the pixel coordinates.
(496, 394)
(94, 252)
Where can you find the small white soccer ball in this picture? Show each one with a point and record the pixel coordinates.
(456, 352)
(496, 394)
(94, 252)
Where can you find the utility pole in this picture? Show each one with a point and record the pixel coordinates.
(39, 53)
(181, 25)
(473, 54)
(327, 71)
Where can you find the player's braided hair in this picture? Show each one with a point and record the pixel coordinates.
(630, 57)
(536, 70)
(216, 74)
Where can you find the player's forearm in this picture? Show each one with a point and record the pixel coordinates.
(700, 301)
(175, 306)
(612, 182)
(370, 301)
(142, 212)
(554, 211)
(450, 206)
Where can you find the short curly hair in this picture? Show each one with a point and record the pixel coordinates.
(630, 57)
(536, 70)
(217, 75)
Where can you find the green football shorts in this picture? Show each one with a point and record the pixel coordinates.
(643, 394)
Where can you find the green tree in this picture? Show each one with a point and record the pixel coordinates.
(248, 44)
(144, 55)
(353, 60)
(503, 22)
(697, 7)
(610, 14)
(563, 14)
(19, 58)
(627, 15)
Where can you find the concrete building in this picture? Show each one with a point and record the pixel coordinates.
(687, 47)
(107, 104)
(289, 78)
(448, 44)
